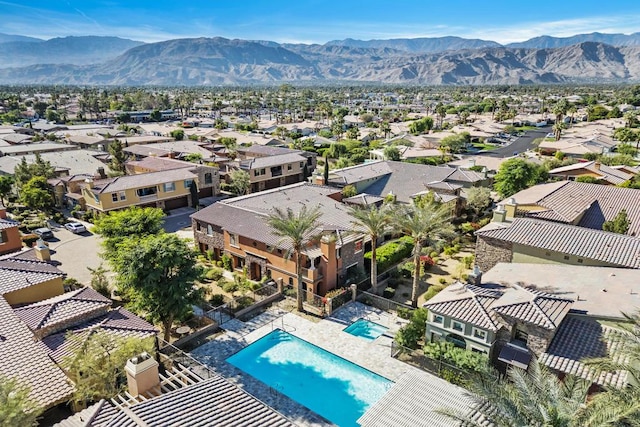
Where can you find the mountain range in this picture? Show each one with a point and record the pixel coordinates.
(94, 60)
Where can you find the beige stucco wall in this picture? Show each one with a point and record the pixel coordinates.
(530, 255)
(37, 292)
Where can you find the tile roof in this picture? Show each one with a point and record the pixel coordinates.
(7, 223)
(533, 306)
(269, 161)
(581, 338)
(214, 402)
(605, 173)
(590, 205)
(118, 322)
(610, 248)
(604, 292)
(159, 163)
(17, 272)
(264, 150)
(247, 215)
(414, 400)
(77, 161)
(97, 415)
(400, 178)
(122, 183)
(468, 303)
(22, 357)
(61, 310)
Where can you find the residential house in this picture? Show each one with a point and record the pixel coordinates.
(477, 317)
(37, 318)
(10, 240)
(594, 169)
(238, 228)
(88, 142)
(266, 173)
(173, 149)
(166, 189)
(575, 203)
(579, 146)
(36, 147)
(65, 163)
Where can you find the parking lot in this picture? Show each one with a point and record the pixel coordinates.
(75, 252)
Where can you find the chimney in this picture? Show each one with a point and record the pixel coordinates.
(597, 165)
(475, 277)
(3, 212)
(89, 182)
(511, 207)
(142, 374)
(42, 251)
(499, 214)
(101, 173)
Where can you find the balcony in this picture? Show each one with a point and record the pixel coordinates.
(313, 275)
(148, 198)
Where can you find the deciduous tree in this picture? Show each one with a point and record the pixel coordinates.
(517, 174)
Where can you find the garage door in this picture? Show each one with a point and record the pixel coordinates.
(180, 202)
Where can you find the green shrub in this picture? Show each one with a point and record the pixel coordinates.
(389, 293)
(468, 261)
(459, 357)
(411, 334)
(406, 269)
(432, 291)
(405, 313)
(392, 252)
(214, 274)
(216, 300)
(442, 280)
(227, 262)
(228, 286)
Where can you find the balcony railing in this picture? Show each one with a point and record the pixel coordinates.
(312, 274)
(148, 198)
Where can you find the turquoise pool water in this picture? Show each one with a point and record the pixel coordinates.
(327, 384)
(366, 329)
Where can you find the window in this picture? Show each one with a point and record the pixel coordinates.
(457, 326)
(114, 197)
(479, 334)
(209, 229)
(198, 226)
(187, 183)
(263, 171)
(233, 239)
(358, 246)
(149, 191)
(438, 319)
(435, 337)
(301, 165)
(123, 196)
(547, 253)
(566, 257)
(208, 178)
(3, 236)
(169, 186)
(477, 350)
(276, 171)
(521, 335)
(338, 253)
(580, 260)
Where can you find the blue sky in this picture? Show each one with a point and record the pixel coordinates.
(317, 21)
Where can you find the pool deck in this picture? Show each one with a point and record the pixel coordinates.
(327, 333)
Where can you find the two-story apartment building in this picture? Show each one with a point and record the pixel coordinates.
(266, 173)
(166, 189)
(238, 227)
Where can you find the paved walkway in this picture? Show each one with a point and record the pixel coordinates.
(373, 355)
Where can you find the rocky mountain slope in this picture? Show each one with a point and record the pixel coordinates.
(64, 50)
(219, 61)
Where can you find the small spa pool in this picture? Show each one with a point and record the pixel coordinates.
(366, 329)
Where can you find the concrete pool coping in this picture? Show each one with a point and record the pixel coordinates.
(327, 333)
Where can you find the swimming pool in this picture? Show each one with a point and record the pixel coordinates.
(366, 329)
(327, 384)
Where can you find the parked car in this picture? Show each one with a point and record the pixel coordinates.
(75, 227)
(44, 233)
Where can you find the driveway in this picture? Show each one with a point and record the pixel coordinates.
(520, 145)
(76, 252)
(178, 219)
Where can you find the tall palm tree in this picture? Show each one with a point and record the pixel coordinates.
(618, 406)
(535, 397)
(375, 221)
(296, 229)
(424, 222)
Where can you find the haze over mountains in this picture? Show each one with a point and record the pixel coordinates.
(96, 60)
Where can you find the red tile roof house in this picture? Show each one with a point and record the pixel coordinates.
(33, 330)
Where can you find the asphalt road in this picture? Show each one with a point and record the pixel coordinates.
(520, 145)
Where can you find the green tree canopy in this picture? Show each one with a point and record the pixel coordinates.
(97, 367)
(118, 158)
(120, 225)
(35, 194)
(16, 408)
(6, 185)
(24, 171)
(240, 182)
(178, 134)
(517, 174)
(392, 153)
(157, 273)
(620, 224)
(422, 125)
(478, 199)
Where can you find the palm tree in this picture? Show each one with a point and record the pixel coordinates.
(375, 221)
(424, 222)
(535, 397)
(296, 228)
(618, 406)
(557, 128)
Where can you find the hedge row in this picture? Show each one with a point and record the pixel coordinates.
(392, 253)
